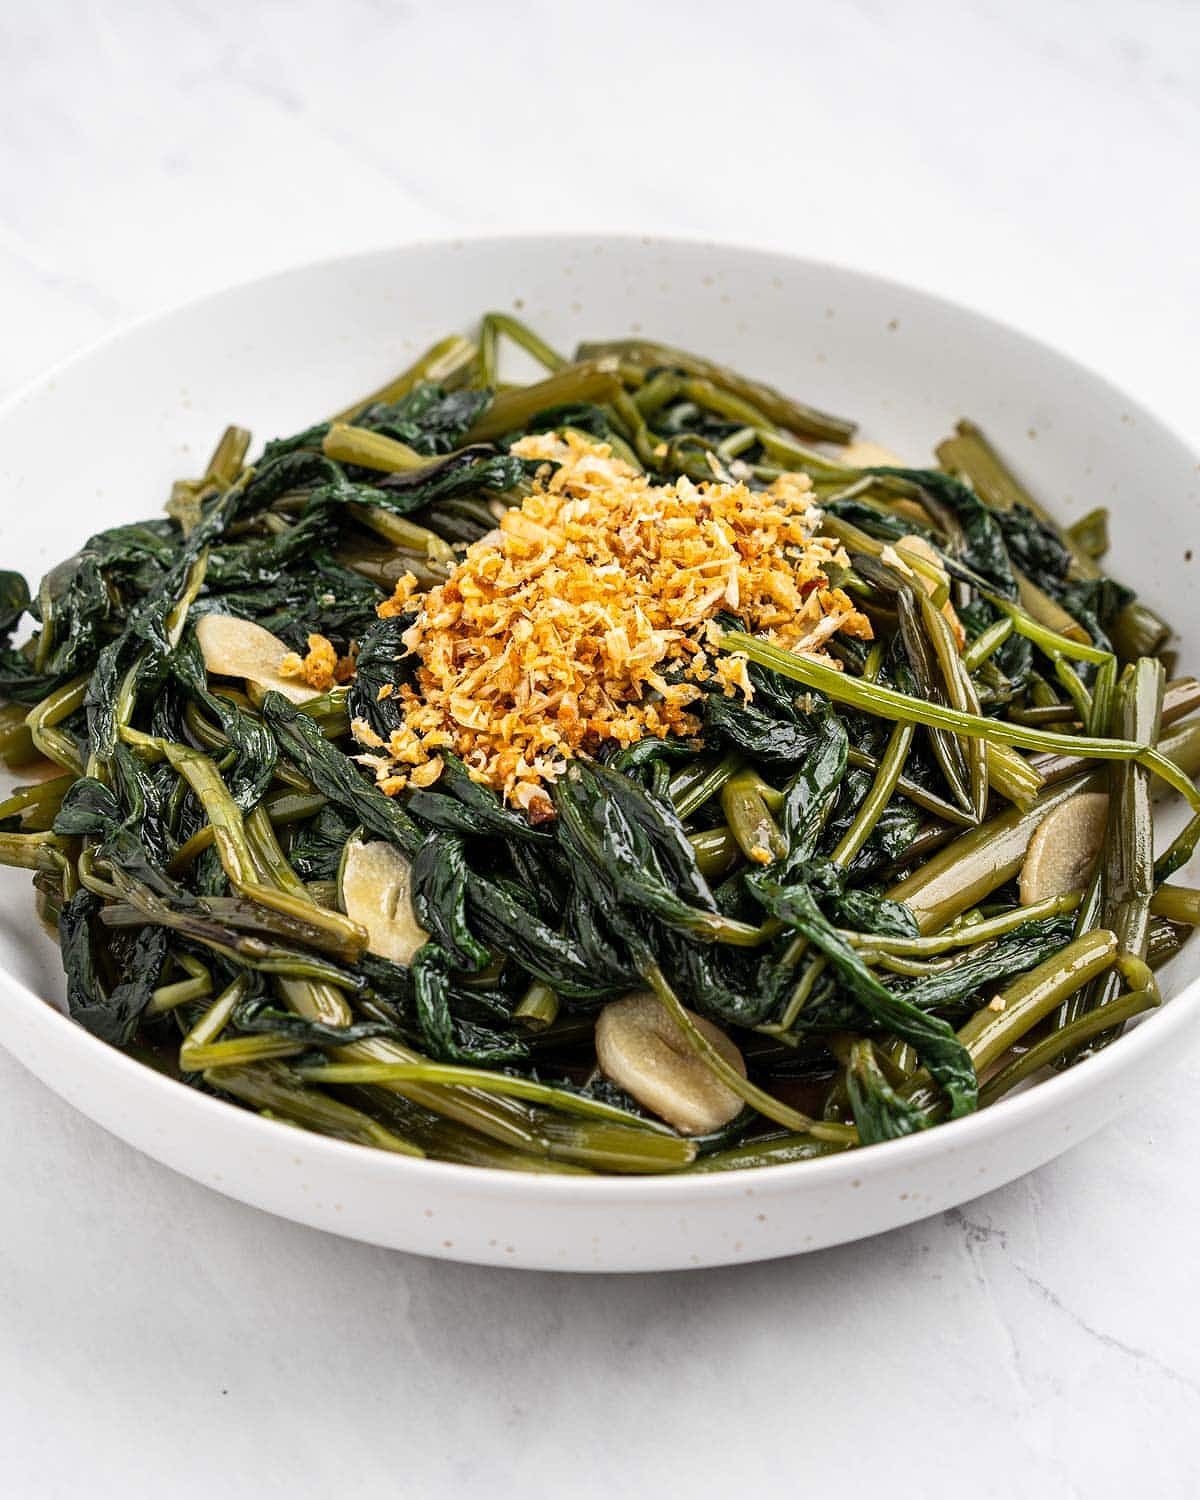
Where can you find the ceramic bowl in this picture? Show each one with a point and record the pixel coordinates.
(99, 440)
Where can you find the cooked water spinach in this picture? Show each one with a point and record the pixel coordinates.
(817, 891)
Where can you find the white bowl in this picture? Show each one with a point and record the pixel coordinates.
(99, 440)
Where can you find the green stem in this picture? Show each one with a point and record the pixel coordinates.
(538, 1007)
(238, 1049)
(887, 703)
(964, 934)
(32, 851)
(1138, 631)
(496, 323)
(755, 830)
(960, 694)
(271, 1087)
(43, 796)
(370, 450)
(1178, 903)
(978, 862)
(987, 643)
(228, 458)
(858, 540)
(749, 1093)
(773, 1152)
(1127, 870)
(222, 812)
(779, 409)
(16, 743)
(913, 790)
(969, 454)
(1029, 999)
(701, 779)
(52, 742)
(716, 851)
(440, 364)
(802, 991)
(1047, 611)
(508, 1085)
(1090, 533)
(592, 381)
(1066, 1040)
(198, 986)
(891, 767)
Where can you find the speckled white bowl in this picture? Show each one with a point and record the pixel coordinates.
(100, 439)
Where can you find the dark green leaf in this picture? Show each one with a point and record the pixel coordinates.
(935, 1043)
(380, 665)
(461, 805)
(112, 1016)
(439, 893)
(14, 601)
(879, 1111)
(427, 419)
(337, 777)
(465, 472)
(258, 1015)
(977, 970)
(984, 550)
(809, 795)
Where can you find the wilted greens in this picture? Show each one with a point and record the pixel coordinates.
(820, 902)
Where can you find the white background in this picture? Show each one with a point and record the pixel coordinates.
(1036, 160)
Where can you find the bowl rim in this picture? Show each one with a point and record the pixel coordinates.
(1052, 1097)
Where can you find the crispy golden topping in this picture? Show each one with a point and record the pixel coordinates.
(406, 587)
(427, 774)
(322, 667)
(587, 617)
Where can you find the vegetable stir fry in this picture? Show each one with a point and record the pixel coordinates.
(624, 772)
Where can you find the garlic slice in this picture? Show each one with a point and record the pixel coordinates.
(375, 886)
(919, 547)
(864, 454)
(923, 549)
(1064, 848)
(640, 1047)
(233, 647)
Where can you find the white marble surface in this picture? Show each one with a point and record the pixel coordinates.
(1037, 160)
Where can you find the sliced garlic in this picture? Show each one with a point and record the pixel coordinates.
(918, 546)
(239, 648)
(911, 509)
(640, 1047)
(863, 454)
(921, 548)
(1064, 847)
(375, 884)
